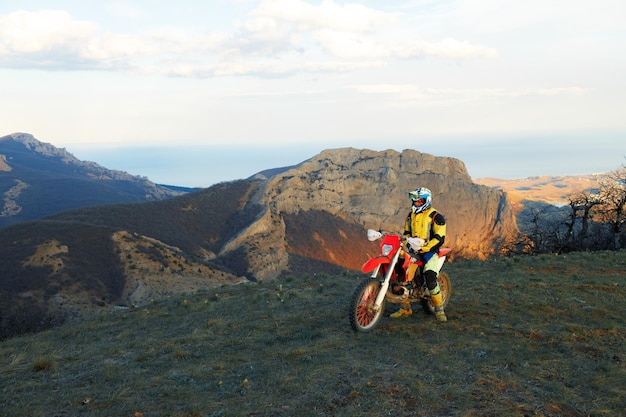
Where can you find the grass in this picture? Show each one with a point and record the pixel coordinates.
(527, 336)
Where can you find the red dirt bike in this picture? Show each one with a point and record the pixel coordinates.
(387, 281)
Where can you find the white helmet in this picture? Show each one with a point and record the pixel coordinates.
(422, 199)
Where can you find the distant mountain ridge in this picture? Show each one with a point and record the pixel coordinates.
(37, 179)
(547, 189)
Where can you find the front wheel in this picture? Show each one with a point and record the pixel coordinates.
(363, 317)
(446, 290)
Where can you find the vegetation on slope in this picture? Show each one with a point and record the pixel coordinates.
(526, 336)
(198, 223)
(203, 218)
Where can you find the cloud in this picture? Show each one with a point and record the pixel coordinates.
(346, 45)
(351, 31)
(277, 38)
(25, 32)
(447, 48)
(349, 17)
(409, 95)
(265, 68)
(52, 39)
(604, 15)
(125, 10)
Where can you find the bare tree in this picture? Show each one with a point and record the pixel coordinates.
(581, 205)
(543, 229)
(535, 231)
(613, 194)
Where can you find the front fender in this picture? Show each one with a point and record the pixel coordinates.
(374, 263)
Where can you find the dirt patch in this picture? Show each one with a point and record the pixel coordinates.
(48, 254)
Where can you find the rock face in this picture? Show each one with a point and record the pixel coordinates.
(368, 189)
(4, 166)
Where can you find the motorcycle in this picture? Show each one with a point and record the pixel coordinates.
(387, 281)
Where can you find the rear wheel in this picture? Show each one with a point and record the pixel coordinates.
(363, 318)
(446, 289)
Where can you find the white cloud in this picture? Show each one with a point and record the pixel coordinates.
(110, 47)
(32, 32)
(384, 88)
(448, 48)
(496, 16)
(125, 10)
(561, 91)
(411, 95)
(350, 45)
(279, 37)
(349, 17)
(352, 31)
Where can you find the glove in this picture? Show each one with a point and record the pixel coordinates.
(415, 243)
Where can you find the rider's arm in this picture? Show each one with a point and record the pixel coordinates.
(407, 225)
(438, 236)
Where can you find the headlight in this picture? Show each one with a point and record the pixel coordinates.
(387, 250)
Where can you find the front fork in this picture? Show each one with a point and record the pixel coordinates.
(385, 284)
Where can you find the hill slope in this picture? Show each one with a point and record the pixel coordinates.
(38, 179)
(79, 261)
(527, 336)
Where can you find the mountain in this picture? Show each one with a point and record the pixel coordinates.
(555, 190)
(310, 218)
(38, 179)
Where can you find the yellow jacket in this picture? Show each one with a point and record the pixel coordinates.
(428, 225)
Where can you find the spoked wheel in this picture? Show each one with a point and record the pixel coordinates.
(446, 289)
(363, 318)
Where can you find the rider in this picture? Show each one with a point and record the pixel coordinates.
(425, 222)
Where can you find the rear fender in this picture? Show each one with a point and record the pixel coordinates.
(444, 251)
(442, 257)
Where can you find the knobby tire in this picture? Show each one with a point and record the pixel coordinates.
(362, 317)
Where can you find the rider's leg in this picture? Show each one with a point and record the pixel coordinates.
(430, 275)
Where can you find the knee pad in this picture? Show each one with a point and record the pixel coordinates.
(431, 280)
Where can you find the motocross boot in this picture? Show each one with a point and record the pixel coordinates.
(437, 301)
(405, 311)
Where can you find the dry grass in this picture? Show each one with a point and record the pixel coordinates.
(540, 336)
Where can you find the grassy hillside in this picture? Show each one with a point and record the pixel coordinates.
(527, 336)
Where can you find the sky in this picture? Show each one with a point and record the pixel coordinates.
(197, 92)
